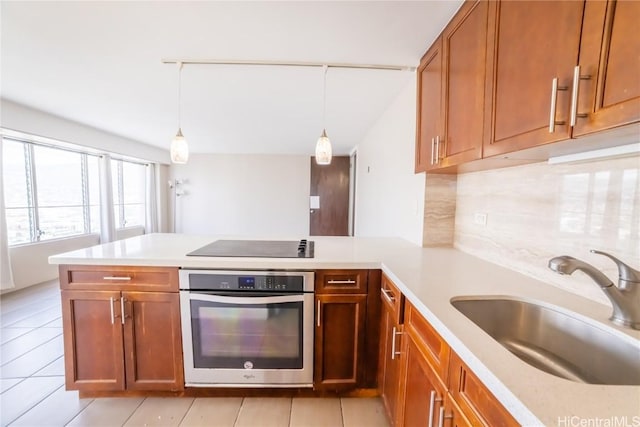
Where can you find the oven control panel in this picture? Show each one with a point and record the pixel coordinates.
(249, 281)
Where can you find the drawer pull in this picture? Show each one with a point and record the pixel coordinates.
(116, 278)
(388, 295)
(342, 282)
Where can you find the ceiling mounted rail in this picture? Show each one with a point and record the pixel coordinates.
(288, 64)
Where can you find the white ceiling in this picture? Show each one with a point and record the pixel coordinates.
(99, 63)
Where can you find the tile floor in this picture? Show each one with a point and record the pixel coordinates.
(33, 394)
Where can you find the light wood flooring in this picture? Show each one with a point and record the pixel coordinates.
(33, 394)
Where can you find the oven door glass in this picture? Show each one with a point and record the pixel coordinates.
(247, 332)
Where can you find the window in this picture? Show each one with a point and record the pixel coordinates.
(49, 192)
(129, 182)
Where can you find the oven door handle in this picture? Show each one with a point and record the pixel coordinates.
(240, 300)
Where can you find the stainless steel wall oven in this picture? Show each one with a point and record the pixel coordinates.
(247, 328)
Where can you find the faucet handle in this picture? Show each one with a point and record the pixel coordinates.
(625, 272)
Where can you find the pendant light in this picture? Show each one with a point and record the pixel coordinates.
(179, 148)
(323, 146)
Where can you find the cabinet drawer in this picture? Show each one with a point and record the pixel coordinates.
(393, 299)
(475, 400)
(341, 281)
(91, 277)
(434, 347)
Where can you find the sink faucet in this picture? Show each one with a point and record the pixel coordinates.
(625, 297)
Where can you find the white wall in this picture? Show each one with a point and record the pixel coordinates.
(35, 122)
(244, 195)
(389, 196)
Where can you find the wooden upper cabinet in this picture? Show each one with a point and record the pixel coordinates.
(429, 109)
(534, 42)
(610, 57)
(465, 50)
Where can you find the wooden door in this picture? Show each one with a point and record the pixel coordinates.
(420, 386)
(535, 41)
(429, 108)
(465, 48)
(93, 346)
(391, 358)
(331, 184)
(610, 56)
(152, 341)
(339, 341)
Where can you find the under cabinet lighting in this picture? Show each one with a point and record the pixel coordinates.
(604, 153)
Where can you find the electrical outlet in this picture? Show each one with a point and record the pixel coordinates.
(480, 218)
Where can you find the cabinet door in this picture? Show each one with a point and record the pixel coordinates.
(93, 349)
(534, 42)
(339, 341)
(465, 48)
(610, 56)
(429, 108)
(476, 401)
(152, 341)
(423, 392)
(391, 358)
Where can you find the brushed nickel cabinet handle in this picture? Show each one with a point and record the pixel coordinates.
(318, 314)
(394, 334)
(574, 95)
(554, 104)
(122, 310)
(113, 318)
(388, 296)
(116, 278)
(342, 282)
(437, 149)
(433, 148)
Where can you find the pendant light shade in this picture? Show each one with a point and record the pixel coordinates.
(179, 148)
(323, 146)
(323, 149)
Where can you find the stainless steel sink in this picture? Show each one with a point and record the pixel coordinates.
(555, 341)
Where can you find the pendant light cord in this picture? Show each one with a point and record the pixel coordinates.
(324, 98)
(179, 94)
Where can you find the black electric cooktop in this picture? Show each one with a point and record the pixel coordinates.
(257, 249)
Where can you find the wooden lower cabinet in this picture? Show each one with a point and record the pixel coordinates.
(105, 351)
(339, 341)
(434, 388)
(423, 391)
(391, 358)
(93, 338)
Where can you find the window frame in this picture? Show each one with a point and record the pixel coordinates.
(31, 178)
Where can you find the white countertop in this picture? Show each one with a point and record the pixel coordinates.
(429, 277)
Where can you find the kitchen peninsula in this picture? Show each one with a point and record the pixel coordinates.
(428, 278)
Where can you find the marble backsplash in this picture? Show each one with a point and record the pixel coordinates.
(538, 211)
